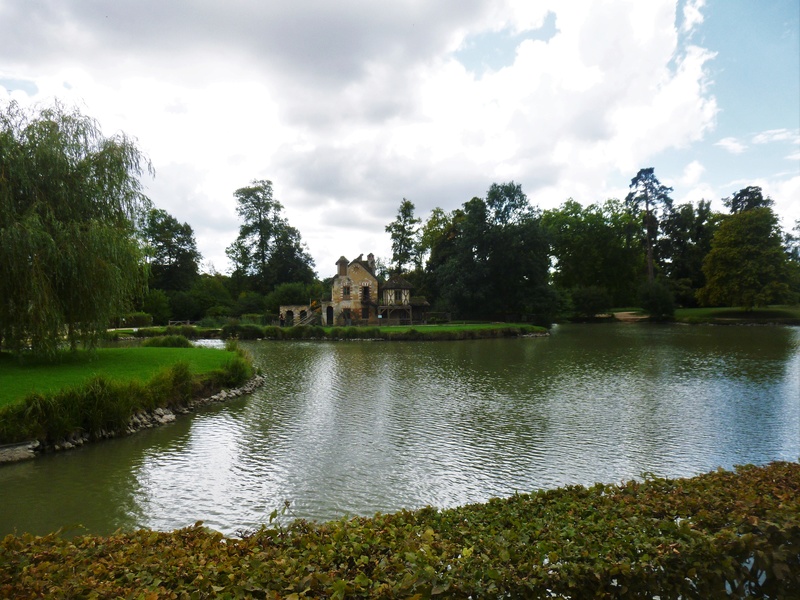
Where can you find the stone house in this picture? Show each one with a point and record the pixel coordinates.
(354, 293)
(357, 300)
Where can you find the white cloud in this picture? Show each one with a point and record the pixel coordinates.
(732, 145)
(692, 173)
(777, 135)
(348, 108)
(692, 15)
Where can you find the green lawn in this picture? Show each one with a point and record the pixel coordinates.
(447, 327)
(769, 314)
(124, 364)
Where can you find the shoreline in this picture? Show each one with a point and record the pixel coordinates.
(140, 420)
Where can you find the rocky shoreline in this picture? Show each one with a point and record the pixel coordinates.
(139, 420)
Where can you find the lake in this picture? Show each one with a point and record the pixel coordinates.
(354, 428)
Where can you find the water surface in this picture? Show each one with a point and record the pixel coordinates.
(346, 428)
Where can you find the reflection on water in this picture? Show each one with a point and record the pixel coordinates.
(358, 427)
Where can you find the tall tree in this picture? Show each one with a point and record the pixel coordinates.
(647, 198)
(489, 258)
(268, 250)
(593, 246)
(747, 265)
(747, 199)
(405, 237)
(686, 237)
(69, 198)
(171, 251)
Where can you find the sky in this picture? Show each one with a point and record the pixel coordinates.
(350, 107)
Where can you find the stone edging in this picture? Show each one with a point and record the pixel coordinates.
(139, 420)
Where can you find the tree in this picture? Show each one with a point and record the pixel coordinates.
(69, 198)
(171, 251)
(490, 258)
(156, 304)
(647, 196)
(507, 203)
(594, 246)
(747, 199)
(268, 250)
(685, 241)
(747, 265)
(405, 236)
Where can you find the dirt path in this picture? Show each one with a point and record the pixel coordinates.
(629, 317)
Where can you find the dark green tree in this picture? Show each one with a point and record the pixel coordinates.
(489, 259)
(595, 246)
(747, 199)
(171, 251)
(647, 199)
(747, 265)
(69, 198)
(289, 260)
(405, 237)
(268, 250)
(686, 234)
(209, 294)
(156, 304)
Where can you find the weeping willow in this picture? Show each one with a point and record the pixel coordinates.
(69, 202)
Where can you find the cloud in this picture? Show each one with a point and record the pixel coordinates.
(692, 15)
(732, 145)
(777, 135)
(350, 107)
(692, 173)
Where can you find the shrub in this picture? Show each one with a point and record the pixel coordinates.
(253, 318)
(718, 535)
(167, 341)
(104, 404)
(656, 299)
(242, 331)
(273, 332)
(588, 301)
(187, 331)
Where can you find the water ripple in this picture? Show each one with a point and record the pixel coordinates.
(357, 428)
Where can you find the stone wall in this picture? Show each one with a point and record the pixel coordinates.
(138, 421)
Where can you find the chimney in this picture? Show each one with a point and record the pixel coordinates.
(371, 262)
(342, 266)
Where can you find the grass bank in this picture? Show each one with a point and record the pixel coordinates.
(718, 535)
(782, 315)
(467, 331)
(90, 392)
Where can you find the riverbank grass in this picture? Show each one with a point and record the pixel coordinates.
(94, 396)
(783, 315)
(448, 332)
(119, 364)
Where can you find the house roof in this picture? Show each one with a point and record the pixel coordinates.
(396, 282)
(361, 262)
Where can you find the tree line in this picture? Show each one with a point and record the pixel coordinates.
(81, 245)
(501, 257)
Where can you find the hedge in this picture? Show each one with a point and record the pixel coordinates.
(719, 535)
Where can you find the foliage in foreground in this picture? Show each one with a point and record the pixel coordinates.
(685, 538)
(104, 404)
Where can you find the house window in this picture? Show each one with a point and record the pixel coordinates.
(398, 296)
(346, 291)
(365, 313)
(365, 293)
